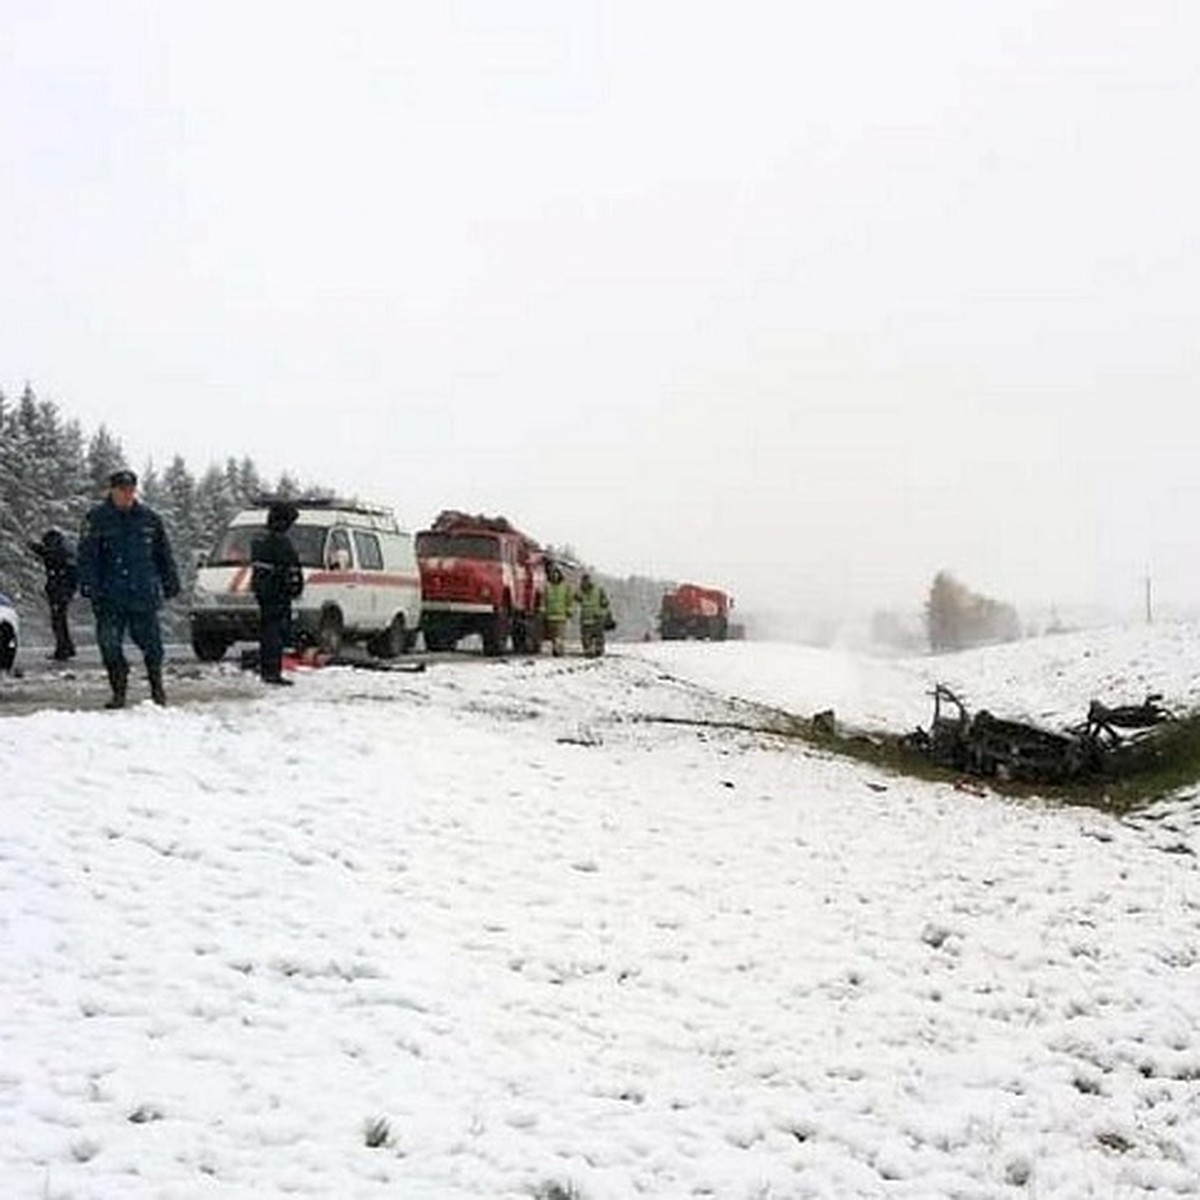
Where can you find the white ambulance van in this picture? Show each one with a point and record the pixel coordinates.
(361, 581)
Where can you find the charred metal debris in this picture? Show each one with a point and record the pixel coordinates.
(1110, 743)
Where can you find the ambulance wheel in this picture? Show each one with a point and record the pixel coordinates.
(330, 632)
(209, 647)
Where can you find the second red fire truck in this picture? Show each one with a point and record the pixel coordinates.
(691, 611)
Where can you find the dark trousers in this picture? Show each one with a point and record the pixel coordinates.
(141, 625)
(64, 647)
(591, 634)
(273, 634)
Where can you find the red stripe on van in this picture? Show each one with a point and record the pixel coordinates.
(379, 578)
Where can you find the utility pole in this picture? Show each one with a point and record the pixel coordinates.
(1149, 607)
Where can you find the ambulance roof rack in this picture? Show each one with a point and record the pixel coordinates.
(338, 502)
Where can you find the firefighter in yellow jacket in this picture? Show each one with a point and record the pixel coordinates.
(557, 604)
(595, 616)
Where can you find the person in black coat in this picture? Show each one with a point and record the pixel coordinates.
(276, 580)
(62, 580)
(127, 570)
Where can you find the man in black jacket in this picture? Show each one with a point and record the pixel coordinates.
(62, 579)
(126, 569)
(276, 580)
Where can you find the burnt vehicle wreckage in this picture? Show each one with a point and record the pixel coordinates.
(1109, 743)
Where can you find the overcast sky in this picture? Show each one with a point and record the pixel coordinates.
(804, 299)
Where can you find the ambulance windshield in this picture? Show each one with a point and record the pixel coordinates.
(233, 550)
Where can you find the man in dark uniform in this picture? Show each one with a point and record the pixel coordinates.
(276, 580)
(62, 579)
(126, 569)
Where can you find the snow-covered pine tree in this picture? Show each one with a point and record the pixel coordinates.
(216, 502)
(43, 485)
(104, 456)
(12, 533)
(246, 481)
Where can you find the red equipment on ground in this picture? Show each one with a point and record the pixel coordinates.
(691, 611)
(480, 575)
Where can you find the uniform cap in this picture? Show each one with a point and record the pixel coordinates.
(122, 478)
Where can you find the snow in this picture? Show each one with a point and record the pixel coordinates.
(1047, 680)
(559, 949)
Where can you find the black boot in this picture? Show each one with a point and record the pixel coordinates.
(118, 679)
(157, 694)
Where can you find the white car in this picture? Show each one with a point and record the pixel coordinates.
(10, 633)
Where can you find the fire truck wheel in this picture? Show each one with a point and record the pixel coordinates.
(437, 640)
(330, 632)
(496, 634)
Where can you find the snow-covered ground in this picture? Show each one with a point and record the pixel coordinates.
(550, 949)
(1047, 680)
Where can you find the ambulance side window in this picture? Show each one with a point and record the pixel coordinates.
(370, 556)
(337, 551)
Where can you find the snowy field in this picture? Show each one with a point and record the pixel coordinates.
(548, 949)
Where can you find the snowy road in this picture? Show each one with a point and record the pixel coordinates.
(546, 945)
(84, 687)
(81, 685)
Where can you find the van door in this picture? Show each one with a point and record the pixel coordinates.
(369, 557)
(339, 565)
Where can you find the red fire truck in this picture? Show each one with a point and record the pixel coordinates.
(691, 611)
(480, 575)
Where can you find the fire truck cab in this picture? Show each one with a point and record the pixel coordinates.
(480, 575)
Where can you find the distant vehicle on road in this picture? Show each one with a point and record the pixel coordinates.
(10, 633)
(361, 581)
(691, 611)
